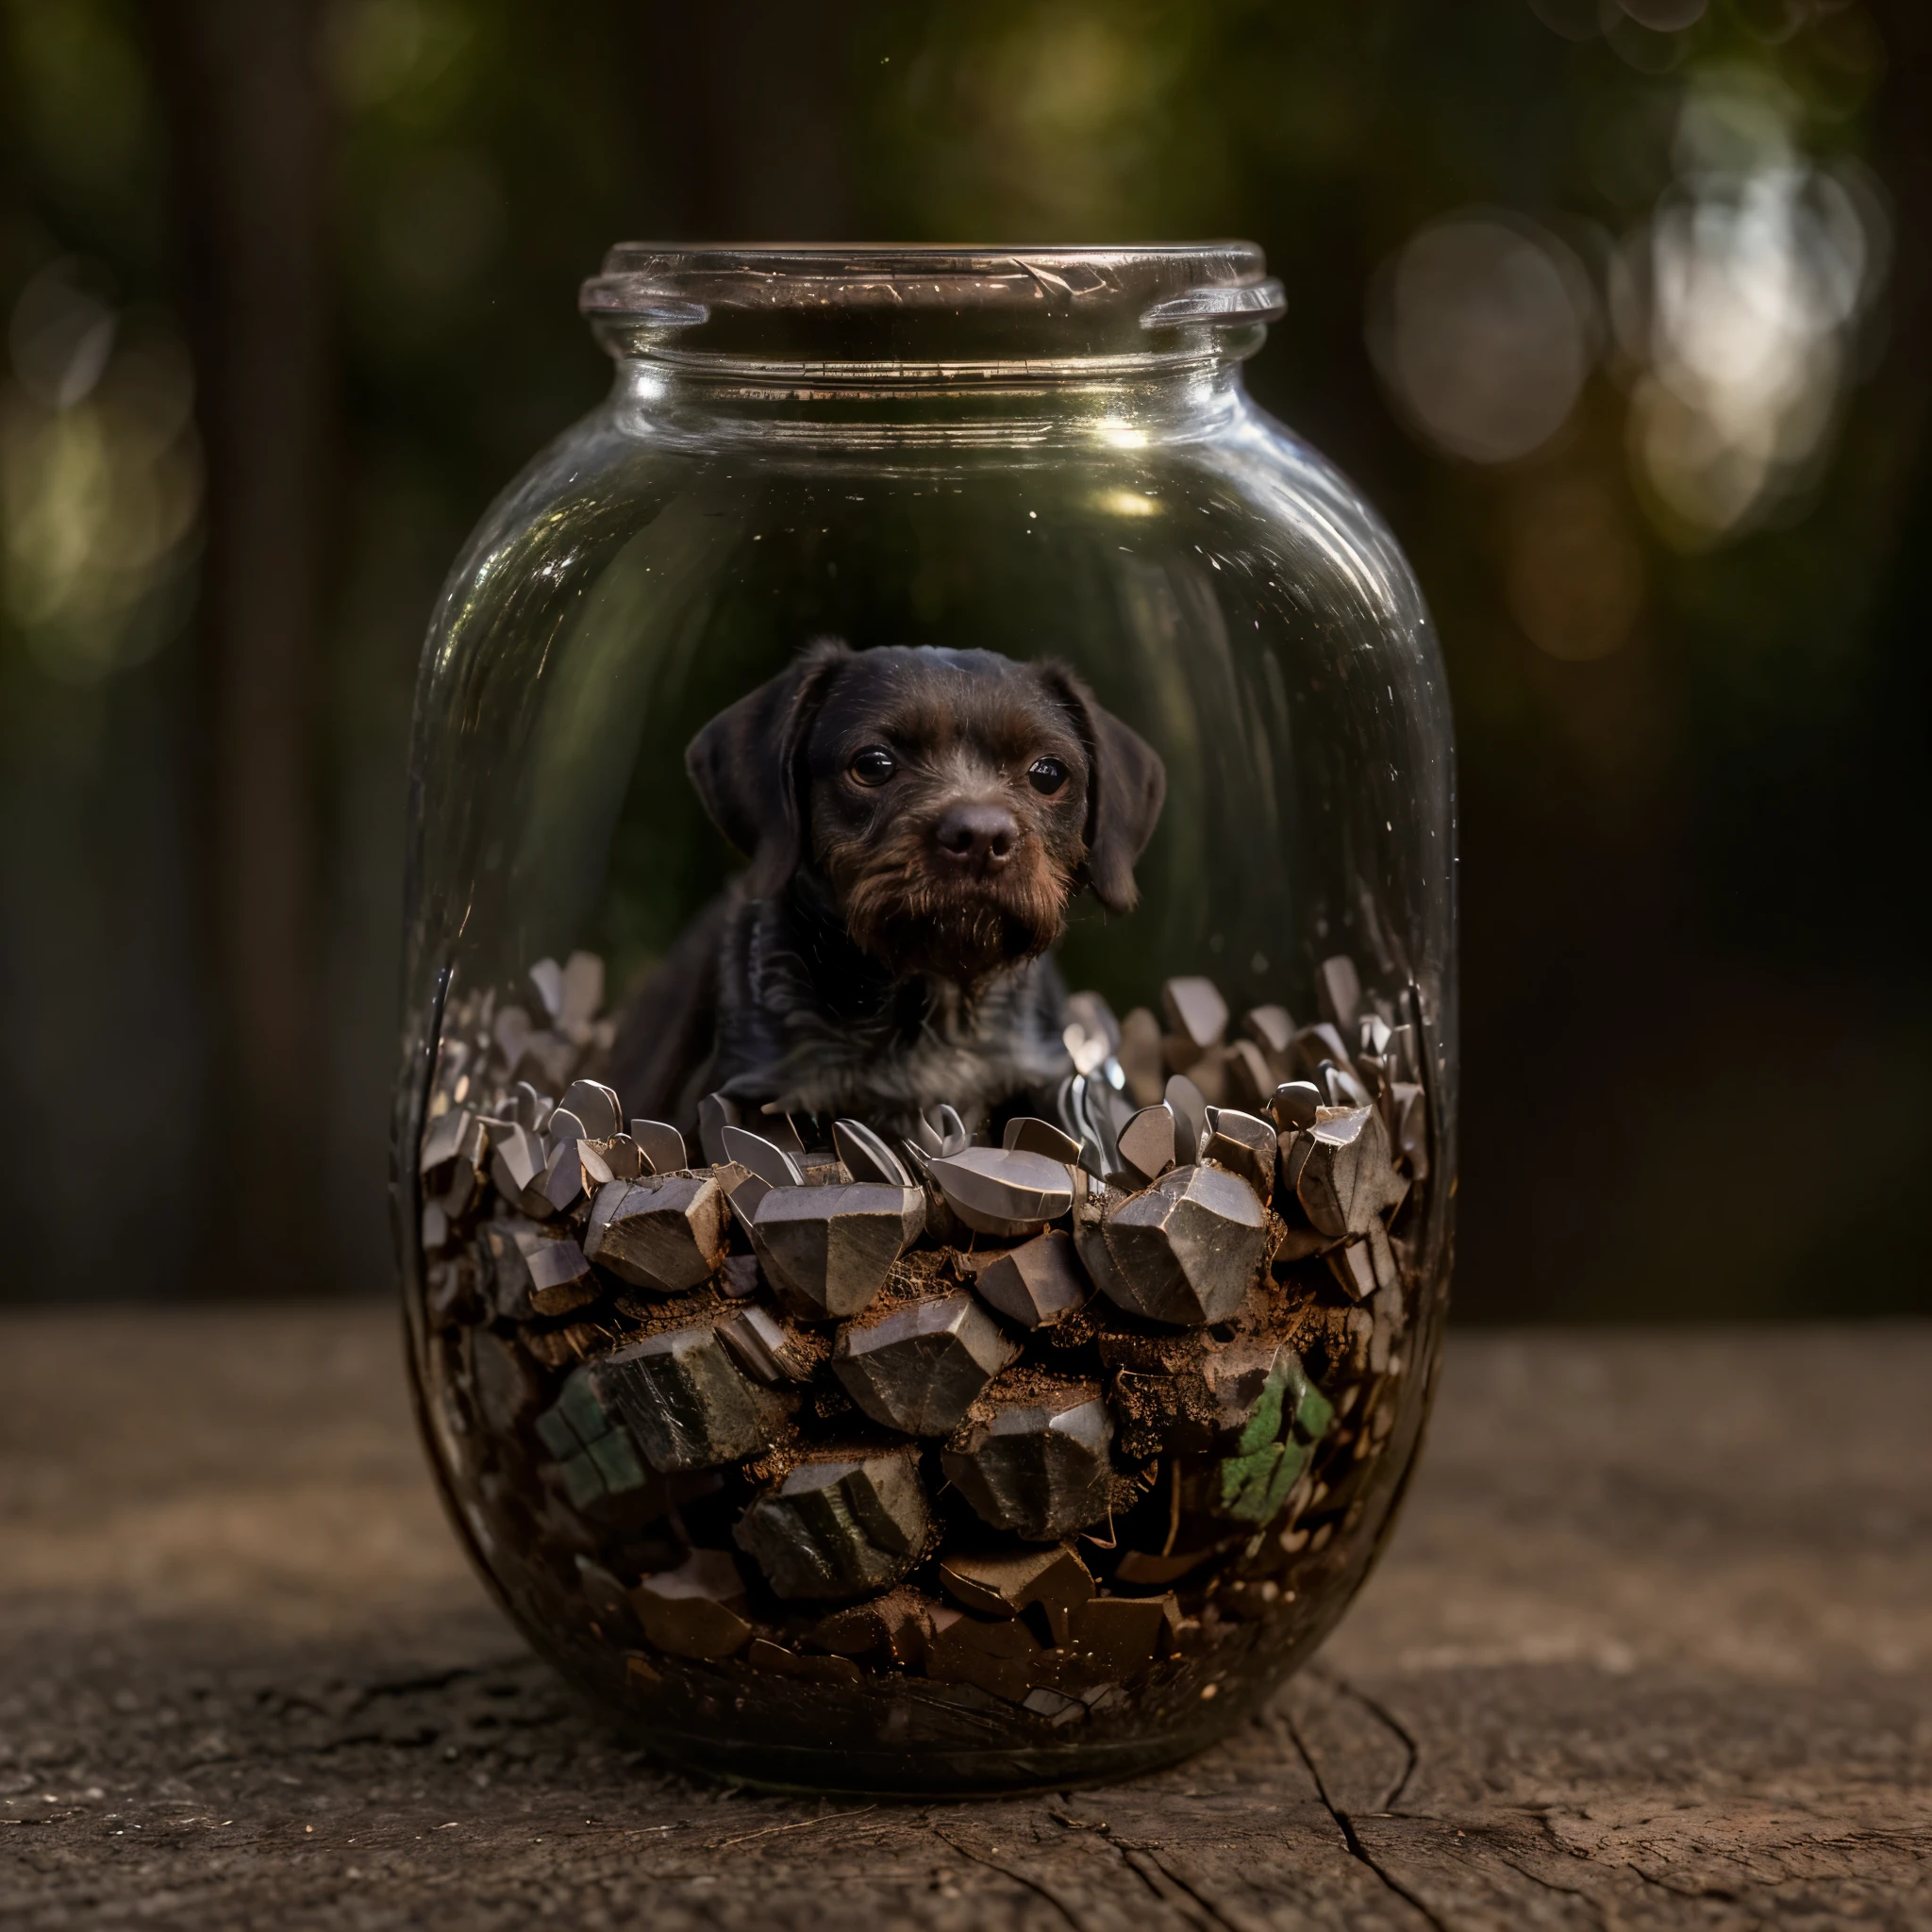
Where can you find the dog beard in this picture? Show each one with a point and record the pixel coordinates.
(962, 930)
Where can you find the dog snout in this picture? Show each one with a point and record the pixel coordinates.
(977, 838)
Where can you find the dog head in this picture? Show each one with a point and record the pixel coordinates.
(952, 801)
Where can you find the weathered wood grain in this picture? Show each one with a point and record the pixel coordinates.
(1653, 1648)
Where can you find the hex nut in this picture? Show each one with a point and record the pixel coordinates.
(1035, 1469)
(1036, 1284)
(665, 1232)
(830, 1250)
(1186, 1249)
(683, 1399)
(922, 1367)
(1244, 1145)
(839, 1526)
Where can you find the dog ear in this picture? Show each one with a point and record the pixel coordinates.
(744, 765)
(1126, 786)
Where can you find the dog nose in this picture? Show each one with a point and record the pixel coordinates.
(979, 837)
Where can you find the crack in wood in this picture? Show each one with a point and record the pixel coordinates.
(1536, 1878)
(1411, 1753)
(1132, 1860)
(1032, 1885)
(1345, 1825)
(1216, 1916)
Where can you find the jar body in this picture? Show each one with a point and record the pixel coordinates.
(839, 1459)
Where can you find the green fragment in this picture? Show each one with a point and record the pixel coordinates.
(1245, 1480)
(581, 1408)
(583, 1481)
(555, 1432)
(597, 1452)
(1275, 1445)
(617, 1463)
(1254, 1487)
(1314, 1415)
(1264, 1425)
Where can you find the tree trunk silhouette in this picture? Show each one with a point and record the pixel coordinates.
(752, 105)
(248, 127)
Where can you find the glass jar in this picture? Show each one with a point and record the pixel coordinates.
(925, 1148)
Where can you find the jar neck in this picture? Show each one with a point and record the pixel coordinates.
(912, 343)
(1119, 402)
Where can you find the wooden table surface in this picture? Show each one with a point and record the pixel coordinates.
(1653, 1647)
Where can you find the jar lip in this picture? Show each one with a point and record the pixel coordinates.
(836, 301)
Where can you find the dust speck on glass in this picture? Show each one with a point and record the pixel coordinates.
(925, 1146)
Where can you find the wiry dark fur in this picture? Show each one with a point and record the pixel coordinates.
(856, 969)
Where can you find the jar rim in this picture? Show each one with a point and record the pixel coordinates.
(920, 301)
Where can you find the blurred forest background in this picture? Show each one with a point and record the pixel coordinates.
(1620, 312)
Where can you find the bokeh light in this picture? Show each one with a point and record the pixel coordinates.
(1482, 329)
(100, 478)
(1738, 301)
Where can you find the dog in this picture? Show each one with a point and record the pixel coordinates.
(917, 821)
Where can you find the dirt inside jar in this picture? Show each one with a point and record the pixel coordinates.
(1029, 1428)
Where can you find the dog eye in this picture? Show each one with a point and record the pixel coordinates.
(1046, 774)
(874, 765)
